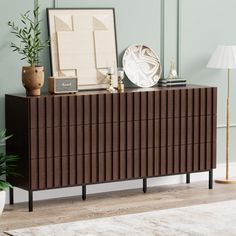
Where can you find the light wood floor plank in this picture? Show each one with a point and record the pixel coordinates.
(114, 203)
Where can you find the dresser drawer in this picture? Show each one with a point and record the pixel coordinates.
(58, 110)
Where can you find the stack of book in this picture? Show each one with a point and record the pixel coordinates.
(172, 82)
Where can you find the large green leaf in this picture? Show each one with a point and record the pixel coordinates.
(7, 162)
(3, 136)
(4, 185)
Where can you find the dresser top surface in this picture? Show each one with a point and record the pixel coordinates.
(127, 90)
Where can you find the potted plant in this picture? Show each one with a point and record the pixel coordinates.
(7, 165)
(30, 45)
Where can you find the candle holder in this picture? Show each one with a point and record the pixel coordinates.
(120, 75)
(110, 88)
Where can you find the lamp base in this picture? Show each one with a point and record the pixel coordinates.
(226, 181)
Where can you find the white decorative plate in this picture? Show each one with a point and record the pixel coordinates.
(142, 66)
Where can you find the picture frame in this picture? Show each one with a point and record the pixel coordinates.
(83, 43)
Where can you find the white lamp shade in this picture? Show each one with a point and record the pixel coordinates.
(224, 57)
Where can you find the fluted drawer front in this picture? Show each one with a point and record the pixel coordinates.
(57, 111)
(108, 137)
(57, 172)
(100, 138)
(112, 166)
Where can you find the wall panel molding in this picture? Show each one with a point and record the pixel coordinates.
(162, 43)
(55, 3)
(178, 45)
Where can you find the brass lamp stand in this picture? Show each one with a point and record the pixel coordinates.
(227, 180)
(224, 57)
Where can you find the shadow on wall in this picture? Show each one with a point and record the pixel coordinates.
(4, 45)
(127, 82)
(2, 113)
(197, 64)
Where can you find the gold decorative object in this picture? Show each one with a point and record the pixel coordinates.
(173, 72)
(224, 57)
(120, 75)
(110, 73)
(172, 80)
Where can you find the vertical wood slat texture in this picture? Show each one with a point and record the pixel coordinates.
(157, 161)
(129, 135)
(115, 137)
(103, 136)
(41, 145)
(143, 134)
(49, 142)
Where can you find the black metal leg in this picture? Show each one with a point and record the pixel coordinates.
(188, 178)
(144, 185)
(30, 201)
(84, 192)
(210, 179)
(11, 196)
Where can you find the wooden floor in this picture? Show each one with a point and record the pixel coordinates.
(115, 203)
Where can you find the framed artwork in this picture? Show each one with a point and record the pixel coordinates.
(83, 44)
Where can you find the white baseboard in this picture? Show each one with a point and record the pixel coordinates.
(22, 196)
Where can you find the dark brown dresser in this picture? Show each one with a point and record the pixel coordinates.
(95, 137)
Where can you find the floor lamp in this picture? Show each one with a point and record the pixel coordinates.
(224, 57)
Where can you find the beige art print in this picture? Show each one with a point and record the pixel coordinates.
(83, 44)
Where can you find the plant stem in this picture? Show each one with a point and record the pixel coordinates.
(36, 21)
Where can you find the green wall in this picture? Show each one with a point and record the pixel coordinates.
(204, 25)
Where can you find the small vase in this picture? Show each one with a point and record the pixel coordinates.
(33, 79)
(2, 201)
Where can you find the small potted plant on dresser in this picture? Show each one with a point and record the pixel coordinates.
(7, 165)
(29, 47)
